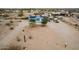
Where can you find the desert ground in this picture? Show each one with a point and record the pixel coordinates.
(16, 34)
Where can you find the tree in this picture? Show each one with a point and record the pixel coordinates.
(44, 21)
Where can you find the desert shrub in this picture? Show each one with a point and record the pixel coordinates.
(76, 24)
(26, 18)
(0, 21)
(13, 47)
(56, 21)
(11, 21)
(11, 28)
(30, 37)
(5, 15)
(8, 24)
(18, 39)
(19, 21)
(24, 47)
(23, 30)
(20, 13)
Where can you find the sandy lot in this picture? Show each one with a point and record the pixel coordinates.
(55, 36)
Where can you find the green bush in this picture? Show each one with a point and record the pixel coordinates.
(32, 23)
(44, 21)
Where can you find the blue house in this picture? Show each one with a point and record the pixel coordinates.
(37, 19)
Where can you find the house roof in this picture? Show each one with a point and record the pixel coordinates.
(36, 17)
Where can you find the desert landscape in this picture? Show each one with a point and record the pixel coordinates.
(20, 29)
